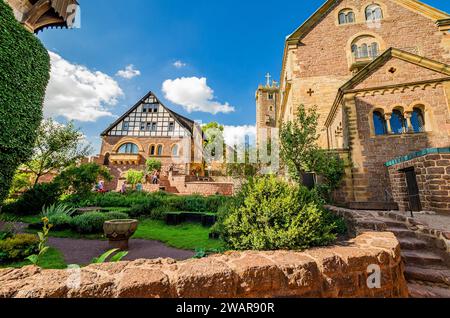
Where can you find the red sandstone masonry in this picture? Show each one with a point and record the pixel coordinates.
(338, 271)
(433, 179)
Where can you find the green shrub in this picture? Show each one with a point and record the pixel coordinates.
(18, 247)
(60, 222)
(89, 223)
(25, 68)
(270, 214)
(117, 216)
(92, 223)
(35, 199)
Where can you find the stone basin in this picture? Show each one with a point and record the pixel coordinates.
(119, 232)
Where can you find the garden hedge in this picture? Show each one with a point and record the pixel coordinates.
(24, 74)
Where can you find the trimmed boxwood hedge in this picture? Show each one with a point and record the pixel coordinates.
(24, 74)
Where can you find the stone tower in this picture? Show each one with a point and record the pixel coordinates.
(266, 108)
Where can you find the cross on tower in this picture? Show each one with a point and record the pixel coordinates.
(268, 77)
(310, 92)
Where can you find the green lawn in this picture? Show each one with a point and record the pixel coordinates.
(53, 259)
(188, 236)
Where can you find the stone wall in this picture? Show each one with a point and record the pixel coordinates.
(433, 179)
(339, 271)
(320, 61)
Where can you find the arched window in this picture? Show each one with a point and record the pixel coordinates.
(379, 123)
(128, 148)
(346, 16)
(175, 149)
(373, 50)
(160, 150)
(418, 120)
(374, 13)
(398, 122)
(365, 47)
(364, 51)
(152, 150)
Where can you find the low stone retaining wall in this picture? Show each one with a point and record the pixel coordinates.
(338, 271)
(363, 221)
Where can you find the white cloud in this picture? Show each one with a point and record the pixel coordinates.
(129, 72)
(179, 64)
(236, 135)
(193, 94)
(77, 93)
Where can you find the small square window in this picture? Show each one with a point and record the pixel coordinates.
(154, 126)
(171, 127)
(270, 96)
(149, 126)
(142, 126)
(126, 125)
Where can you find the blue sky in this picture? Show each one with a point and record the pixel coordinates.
(232, 44)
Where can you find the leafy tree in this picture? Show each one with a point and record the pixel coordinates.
(24, 74)
(299, 142)
(20, 182)
(301, 153)
(57, 147)
(134, 177)
(81, 179)
(152, 165)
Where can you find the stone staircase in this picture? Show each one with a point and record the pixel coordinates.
(426, 257)
(427, 268)
(164, 185)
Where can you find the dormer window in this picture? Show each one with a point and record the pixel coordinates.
(346, 16)
(374, 13)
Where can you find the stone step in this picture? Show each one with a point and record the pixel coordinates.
(409, 243)
(436, 275)
(401, 232)
(394, 224)
(421, 291)
(422, 258)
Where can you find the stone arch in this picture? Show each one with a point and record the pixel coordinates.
(371, 120)
(361, 35)
(346, 9)
(426, 111)
(382, 5)
(126, 141)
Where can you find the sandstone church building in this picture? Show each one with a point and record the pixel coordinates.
(379, 74)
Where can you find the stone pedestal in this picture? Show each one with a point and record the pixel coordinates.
(119, 232)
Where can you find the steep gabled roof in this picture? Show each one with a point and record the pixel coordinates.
(183, 121)
(380, 61)
(329, 5)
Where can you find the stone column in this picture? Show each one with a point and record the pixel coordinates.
(387, 118)
(409, 126)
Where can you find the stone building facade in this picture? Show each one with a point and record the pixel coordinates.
(150, 130)
(379, 74)
(37, 15)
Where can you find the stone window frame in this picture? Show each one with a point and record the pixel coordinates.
(346, 11)
(406, 111)
(125, 141)
(158, 152)
(357, 37)
(374, 4)
(346, 8)
(172, 147)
